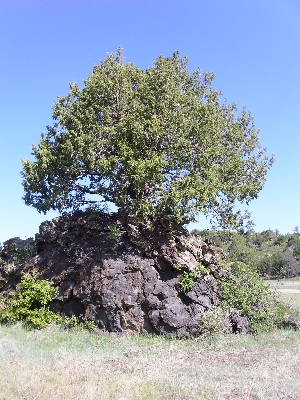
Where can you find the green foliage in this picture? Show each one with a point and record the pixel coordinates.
(268, 235)
(296, 250)
(213, 322)
(239, 250)
(280, 240)
(2, 300)
(292, 240)
(202, 270)
(29, 303)
(114, 235)
(74, 323)
(94, 212)
(249, 294)
(271, 254)
(273, 265)
(257, 239)
(187, 280)
(157, 140)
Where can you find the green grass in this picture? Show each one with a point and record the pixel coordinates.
(56, 364)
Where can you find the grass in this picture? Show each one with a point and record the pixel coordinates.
(292, 300)
(74, 365)
(293, 283)
(286, 287)
(58, 364)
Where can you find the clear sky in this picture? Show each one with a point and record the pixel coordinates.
(252, 46)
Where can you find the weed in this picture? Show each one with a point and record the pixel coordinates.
(213, 322)
(202, 269)
(75, 324)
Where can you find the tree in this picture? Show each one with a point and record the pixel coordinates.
(273, 265)
(157, 140)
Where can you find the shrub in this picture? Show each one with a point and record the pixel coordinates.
(239, 250)
(292, 240)
(273, 265)
(74, 323)
(114, 234)
(188, 280)
(280, 240)
(29, 303)
(247, 292)
(213, 322)
(296, 251)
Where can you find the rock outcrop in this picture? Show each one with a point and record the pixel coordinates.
(123, 275)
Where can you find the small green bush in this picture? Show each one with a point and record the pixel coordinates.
(213, 322)
(187, 280)
(114, 235)
(202, 270)
(74, 323)
(29, 303)
(247, 292)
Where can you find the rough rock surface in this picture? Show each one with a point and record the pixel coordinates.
(237, 323)
(122, 275)
(290, 322)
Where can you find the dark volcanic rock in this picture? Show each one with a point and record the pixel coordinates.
(122, 275)
(291, 322)
(237, 323)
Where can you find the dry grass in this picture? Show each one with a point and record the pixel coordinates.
(54, 364)
(285, 284)
(292, 299)
(289, 290)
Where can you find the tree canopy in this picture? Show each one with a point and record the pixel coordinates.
(158, 140)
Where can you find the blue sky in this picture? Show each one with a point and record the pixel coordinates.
(252, 46)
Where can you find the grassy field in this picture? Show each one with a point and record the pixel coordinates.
(56, 364)
(289, 291)
(286, 284)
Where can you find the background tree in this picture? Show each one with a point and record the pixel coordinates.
(158, 140)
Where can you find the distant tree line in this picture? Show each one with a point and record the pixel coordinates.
(272, 254)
